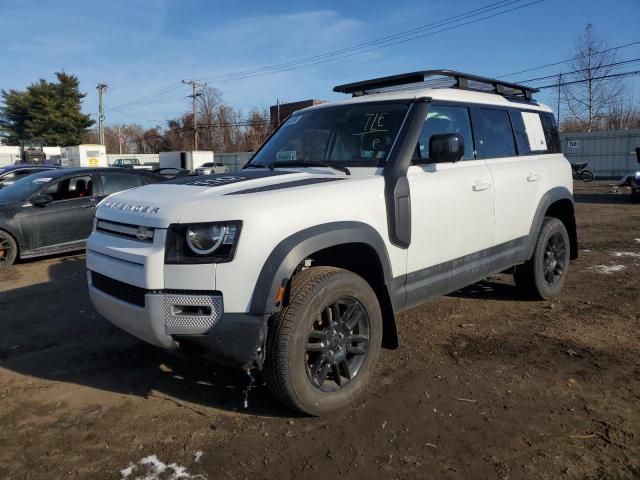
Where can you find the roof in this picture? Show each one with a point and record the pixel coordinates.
(61, 172)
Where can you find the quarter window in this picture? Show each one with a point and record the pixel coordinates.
(445, 119)
(550, 132)
(493, 133)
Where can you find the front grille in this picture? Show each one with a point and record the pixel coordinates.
(132, 232)
(120, 290)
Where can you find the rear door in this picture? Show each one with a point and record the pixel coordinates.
(509, 140)
(451, 210)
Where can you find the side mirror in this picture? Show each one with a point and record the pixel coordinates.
(446, 147)
(638, 154)
(41, 199)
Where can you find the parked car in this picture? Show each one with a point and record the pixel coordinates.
(52, 211)
(210, 168)
(130, 163)
(10, 174)
(349, 214)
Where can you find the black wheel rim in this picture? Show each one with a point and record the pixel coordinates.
(337, 344)
(554, 259)
(5, 250)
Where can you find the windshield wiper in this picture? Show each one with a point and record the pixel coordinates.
(302, 163)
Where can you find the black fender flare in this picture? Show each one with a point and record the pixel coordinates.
(290, 252)
(548, 199)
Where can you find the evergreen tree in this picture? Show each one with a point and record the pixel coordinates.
(46, 111)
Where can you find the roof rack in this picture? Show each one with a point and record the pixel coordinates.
(438, 79)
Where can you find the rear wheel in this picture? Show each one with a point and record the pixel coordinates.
(543, 276)
(8, 249)
(587, 176)
(323, 347)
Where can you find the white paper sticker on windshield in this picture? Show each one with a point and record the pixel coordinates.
(42, 180)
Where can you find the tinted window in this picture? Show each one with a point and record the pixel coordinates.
(520, 132)
(444, 119)
(69, 188)
(550, 132)
(493, 133)
(115, 182)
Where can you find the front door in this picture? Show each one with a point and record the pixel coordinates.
(451, 212)
(67, 220)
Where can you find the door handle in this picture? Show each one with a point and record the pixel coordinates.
(533, 177)
(480, 185)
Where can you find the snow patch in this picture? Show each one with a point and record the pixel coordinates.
(151, 468)
(198, 455)
(607, 269)
(626, 254)
(637, 240)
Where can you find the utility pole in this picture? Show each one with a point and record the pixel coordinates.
(101, 88)
(194, 95)
(559, 84)
(120, 139)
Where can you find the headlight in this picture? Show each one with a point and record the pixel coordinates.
(202, 242)
(205, 239)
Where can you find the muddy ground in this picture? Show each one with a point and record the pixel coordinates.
(484, 385)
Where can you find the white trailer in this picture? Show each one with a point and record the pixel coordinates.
(84, 156)
(185, 160)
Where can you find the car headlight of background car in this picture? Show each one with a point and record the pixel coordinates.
(202, 242)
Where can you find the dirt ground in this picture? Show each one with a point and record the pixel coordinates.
(484, 385)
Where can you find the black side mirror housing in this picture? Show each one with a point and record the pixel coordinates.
(446, 147)
(41, 200)
(638, 154)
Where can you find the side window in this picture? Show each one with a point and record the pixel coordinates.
(520, 131)
(115, 182)
(550, 132)
(445, 119)
(493, 133)
(70, 188)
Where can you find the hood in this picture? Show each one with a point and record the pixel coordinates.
(158, 205)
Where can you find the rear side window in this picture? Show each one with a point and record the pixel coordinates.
(115, 182)
(493, 133)
(551, 135)
(446, 119)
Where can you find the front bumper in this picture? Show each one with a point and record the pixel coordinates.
(161, 319)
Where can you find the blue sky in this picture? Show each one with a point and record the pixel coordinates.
(140, 47)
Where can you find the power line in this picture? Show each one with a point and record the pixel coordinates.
(365, 47)
(609, 65)
(568, 60)
(381, 40)
(603, 77)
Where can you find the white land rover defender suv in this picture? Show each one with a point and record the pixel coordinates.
(350, 213)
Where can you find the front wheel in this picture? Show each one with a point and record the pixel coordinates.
(323, 347)
(587, 176)
(543, 275)
(8, 249)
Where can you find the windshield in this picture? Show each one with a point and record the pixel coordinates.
(23, 188)
(345, 135)
(208, 164)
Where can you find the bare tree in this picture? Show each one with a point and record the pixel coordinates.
(589, 101)
(623, 114)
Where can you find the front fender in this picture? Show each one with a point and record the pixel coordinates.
(290, 252)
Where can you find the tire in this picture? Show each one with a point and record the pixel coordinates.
(635, 197)
(308, 360)
(587, 176)
(8, 249)
(543, 276)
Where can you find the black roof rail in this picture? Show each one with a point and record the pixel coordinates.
(439, 79)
